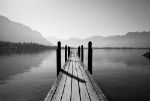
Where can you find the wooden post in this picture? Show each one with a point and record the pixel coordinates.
(79, 51)
(68, 51)
(65, 53)
(90, 57)
(82, 53)
(58, 53)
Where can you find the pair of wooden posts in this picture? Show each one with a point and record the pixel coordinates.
(82, 53)
(58, 55)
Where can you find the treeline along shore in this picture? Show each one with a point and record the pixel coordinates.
(23, 45)
(32, 45)
(8, 48)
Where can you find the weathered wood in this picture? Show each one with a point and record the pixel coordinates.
(58, 54)
(75, 86)
(79, 51)
(68, 51)
(59, 92)
(95, 86)
(67, 90)
(65, 53)
(57, 82)
(75, 83)
(82, 53)
(83, 90)
(90, 57)
(93, 95)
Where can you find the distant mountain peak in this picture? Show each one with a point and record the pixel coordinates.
(131, 39)
(17, 32)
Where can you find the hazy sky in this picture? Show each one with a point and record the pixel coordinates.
(79, 18)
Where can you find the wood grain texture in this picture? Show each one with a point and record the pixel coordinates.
(75, 83)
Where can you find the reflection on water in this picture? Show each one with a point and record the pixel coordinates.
(21, 51)
(123, 75)
(13, 63)
(27, 76)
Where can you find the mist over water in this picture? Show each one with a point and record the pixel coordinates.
(27, 76)
(122, 74)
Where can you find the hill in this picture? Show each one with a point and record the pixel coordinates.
(16, 32)
(131, 39)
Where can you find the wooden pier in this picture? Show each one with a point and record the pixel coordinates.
(75, 82)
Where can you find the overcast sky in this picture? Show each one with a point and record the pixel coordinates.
(79, 18)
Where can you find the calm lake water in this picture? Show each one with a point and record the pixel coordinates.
(122, 74)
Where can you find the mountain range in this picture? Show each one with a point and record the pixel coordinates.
(16, 32)
(131, 39)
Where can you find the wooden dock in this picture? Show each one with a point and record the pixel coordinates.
(75, 83)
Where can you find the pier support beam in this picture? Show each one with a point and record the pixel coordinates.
(90, 57)
(68, 51)
(65, 53)
(79, 51)
(58, 53)
(82, 53)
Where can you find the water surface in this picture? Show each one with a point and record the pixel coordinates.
(122, 74)
(27, 76)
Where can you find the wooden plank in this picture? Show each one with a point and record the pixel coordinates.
(96, 87)
(93, 95)
(54, 87)
(75, 85)
(83, 91)
(59, 92)
(94, 84)
(67, 90)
